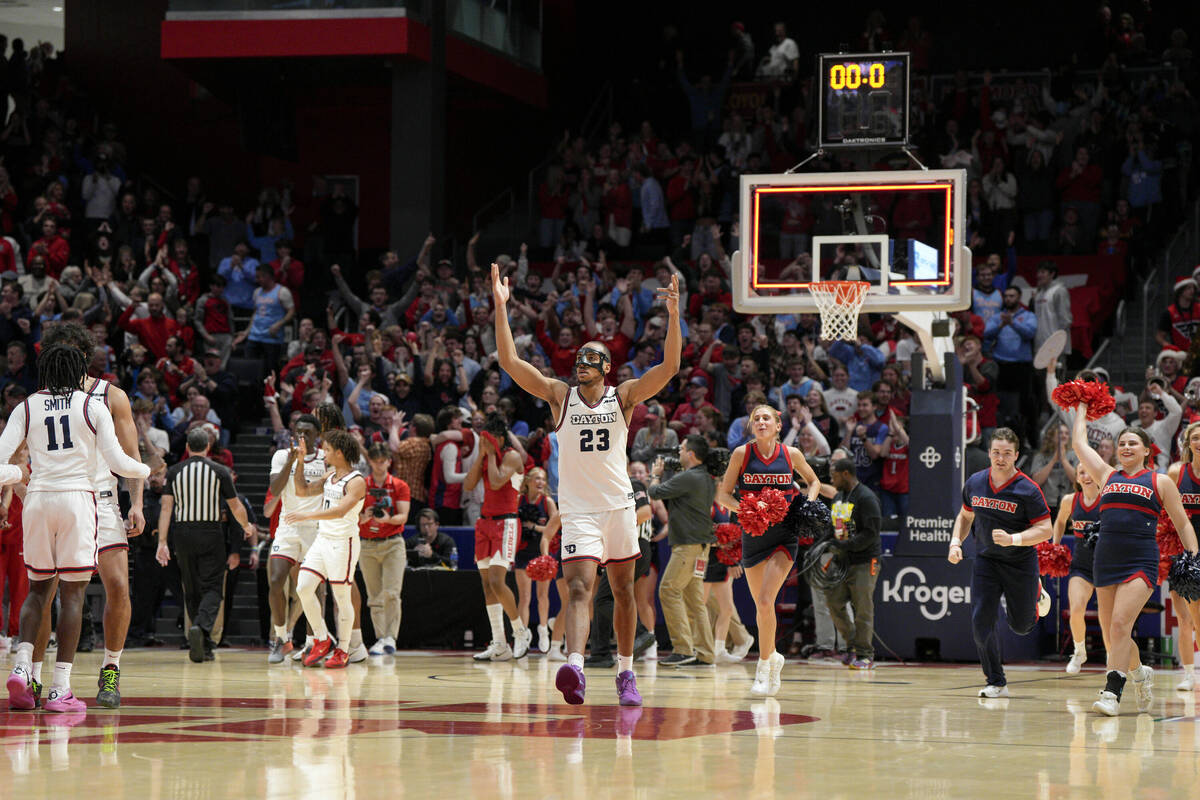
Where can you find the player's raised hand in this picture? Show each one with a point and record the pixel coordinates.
(670, 294)
(500, 288)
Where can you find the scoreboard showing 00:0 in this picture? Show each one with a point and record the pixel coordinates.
(850, 76)
(864, 99)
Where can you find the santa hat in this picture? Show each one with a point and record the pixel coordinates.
(1178, 355)
(1183, 283)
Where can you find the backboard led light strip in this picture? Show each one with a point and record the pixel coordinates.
(850, 187)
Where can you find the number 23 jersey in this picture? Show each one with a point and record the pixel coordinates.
(592, 459)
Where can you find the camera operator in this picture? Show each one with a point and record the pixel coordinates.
(689, 496)
(856, 521)
(383, 558)
(432, 549)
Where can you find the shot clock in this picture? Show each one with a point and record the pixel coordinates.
(864, 99)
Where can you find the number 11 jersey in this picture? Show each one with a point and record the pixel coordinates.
(592, 460)
(69, 437)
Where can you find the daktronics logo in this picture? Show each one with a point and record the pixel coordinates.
(917, 591)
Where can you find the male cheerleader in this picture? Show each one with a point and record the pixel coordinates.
(68, 433)
(599, 526)
(1007, 513)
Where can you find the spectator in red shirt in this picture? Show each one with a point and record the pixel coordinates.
(602, 326)
(214, 318)
(58, 251)
(686, 419)
(8, 255)
(288, 271)
(979, 376)
(560, 351)
(154, 330)
(552, 205)
(711, 291)
(175, 366)
(617, 207)
(681, 202)
(703, 337)
(968, 322)
(1079, 187)
(384, 559)
(187, 274)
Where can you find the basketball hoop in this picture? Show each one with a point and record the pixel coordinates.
(839, 303)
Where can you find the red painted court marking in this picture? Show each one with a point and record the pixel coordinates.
(523, 719)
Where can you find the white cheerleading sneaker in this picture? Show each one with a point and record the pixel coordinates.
(1109, 704)
(762, 679)
(1076, 662)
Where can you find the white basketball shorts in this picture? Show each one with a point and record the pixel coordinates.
(293, 541)
(60, 533)
(112, 527)
(333, 558)
(601, 536)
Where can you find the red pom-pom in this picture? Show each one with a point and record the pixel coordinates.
(758, 511)
(731, 554)
(1164, 567)
(1096, 395)
(542, 568)
(1054, 560)
(728, 533)
(1067, 395)
(1100, 403)
(1168, 540)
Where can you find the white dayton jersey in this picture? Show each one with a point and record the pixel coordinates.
(70, 437)
(314, 471)
(345, 526)
(592, 460)
(104, 479)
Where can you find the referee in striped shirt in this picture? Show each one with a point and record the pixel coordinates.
(194, 491)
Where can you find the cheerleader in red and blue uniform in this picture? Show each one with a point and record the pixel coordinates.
(1079, 513)
(538, 516)
(1126, 560)
(765, 463)
(1184, 473)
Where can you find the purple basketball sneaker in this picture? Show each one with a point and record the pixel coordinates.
(571, 683)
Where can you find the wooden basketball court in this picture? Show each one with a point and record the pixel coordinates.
(441, 726)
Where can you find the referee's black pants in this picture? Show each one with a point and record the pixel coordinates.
(200, 549)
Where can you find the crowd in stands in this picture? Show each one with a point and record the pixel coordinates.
(173, 288)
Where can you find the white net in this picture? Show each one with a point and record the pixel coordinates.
(839, 303)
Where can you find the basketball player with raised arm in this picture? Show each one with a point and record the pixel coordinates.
(334, 553)
(69, 434)
(113, 540)
(599, 526)
(291, 541)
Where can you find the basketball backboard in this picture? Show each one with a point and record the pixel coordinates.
(901, 231)
(898, 230)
